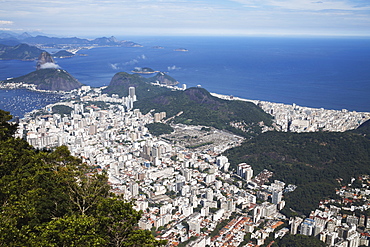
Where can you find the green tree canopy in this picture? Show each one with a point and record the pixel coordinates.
(52, 199)
(6, 129)
(299, 241)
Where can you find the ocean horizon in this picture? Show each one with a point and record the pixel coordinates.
(330, 73)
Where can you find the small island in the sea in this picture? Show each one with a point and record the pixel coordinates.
(158, 47)
(181, 49)
(144, 70)
(63, 54)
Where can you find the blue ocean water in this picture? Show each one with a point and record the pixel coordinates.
(332, 73)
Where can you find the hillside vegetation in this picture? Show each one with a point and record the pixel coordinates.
(19, 52)
(363, 129)
(50, 79)
(121, 82)
(52, 199)
(317, 163)
(195, 106)
(313, 161)
(199, 107)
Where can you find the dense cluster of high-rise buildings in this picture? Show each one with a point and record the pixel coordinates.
(186, 195)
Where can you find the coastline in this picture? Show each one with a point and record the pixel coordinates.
(32, 87)
(287, 117)
(297, 118)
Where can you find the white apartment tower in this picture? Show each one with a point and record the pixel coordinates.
(131, 93)
(245, 171)
(276, 196)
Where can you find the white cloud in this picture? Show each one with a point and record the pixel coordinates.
(181, 17)
(49, 66)
(174, 67)
(131, 62)
(2, 22)
(307, 5)
(114, 66)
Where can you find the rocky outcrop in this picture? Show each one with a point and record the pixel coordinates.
(44, 58)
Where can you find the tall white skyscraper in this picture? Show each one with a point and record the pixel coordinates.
(209, 194)
(276, 196)
(134, 188)
(307, 227)
(131, 93)
(245, 171)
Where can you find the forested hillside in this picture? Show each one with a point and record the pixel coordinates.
(196, 106)
(51, 199)
(313, 161)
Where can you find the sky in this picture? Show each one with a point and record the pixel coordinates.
(89, 18)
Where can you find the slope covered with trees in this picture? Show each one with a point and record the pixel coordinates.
(196, 106)
(20, 52)
(52, 199)
(313, 161)
(122, 81)
(50, 79)
(298, 241)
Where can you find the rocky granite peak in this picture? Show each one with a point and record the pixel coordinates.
(44, 58)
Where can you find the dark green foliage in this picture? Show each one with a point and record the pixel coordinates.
(62, 110)
(184, 244)
(51, 199)
(6, 129)
(363, 129)
(159, 128)
(63, 54)
(219, 227)
(298, 241)
(20, 52)
(313, 161)
(198, 107)
(121, 82)
(163, 78)
(246, 240)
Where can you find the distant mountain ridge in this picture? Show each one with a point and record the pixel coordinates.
(27, 47)
(54, 42)
(20, 52)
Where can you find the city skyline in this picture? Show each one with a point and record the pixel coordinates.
(86, 18)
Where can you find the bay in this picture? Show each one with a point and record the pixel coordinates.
(20, 101)
(331, 73)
